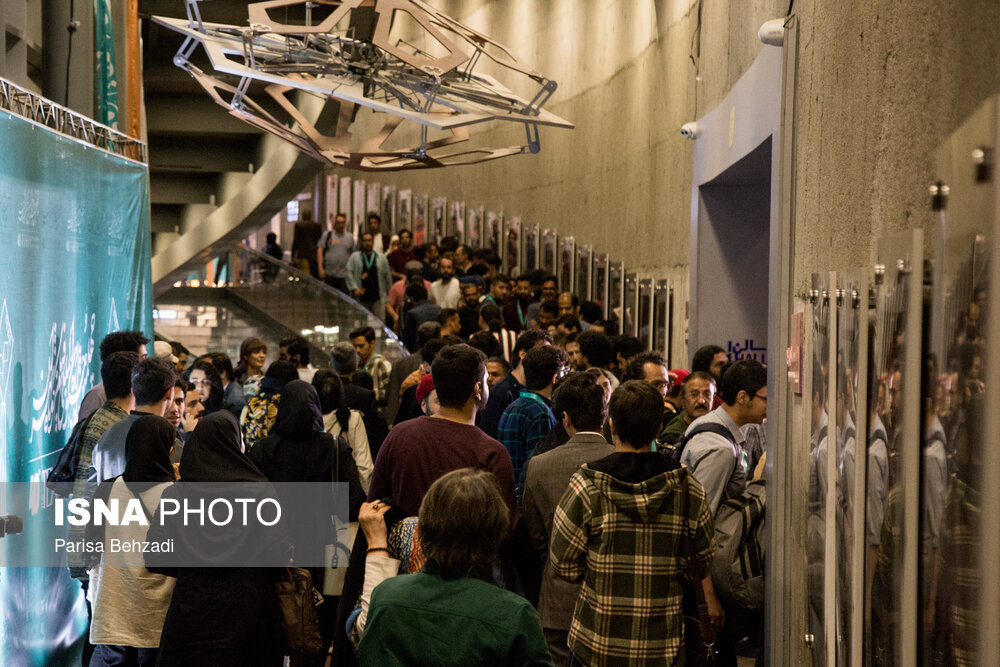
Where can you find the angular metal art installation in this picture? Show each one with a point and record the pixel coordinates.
(427, 101)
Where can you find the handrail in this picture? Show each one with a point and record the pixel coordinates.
(317, 284)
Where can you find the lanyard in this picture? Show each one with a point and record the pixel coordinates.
(520, 315)
(368, 263)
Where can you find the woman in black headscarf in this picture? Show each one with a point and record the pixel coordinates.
(299, 450)
(129, 602)
(220, 615)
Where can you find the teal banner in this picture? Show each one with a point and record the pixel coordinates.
(74, 266)
(105, 74)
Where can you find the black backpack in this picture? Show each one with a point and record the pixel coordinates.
(63, 474)
(708, 427)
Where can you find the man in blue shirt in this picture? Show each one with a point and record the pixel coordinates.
(527, 420)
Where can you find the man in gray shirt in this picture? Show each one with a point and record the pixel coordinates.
(716, 461)
(153, 387)
(332, 253)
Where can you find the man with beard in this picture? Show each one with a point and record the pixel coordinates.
(515, 313)
(697, 394)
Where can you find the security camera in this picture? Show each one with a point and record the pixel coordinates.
(689, 130)
(772, 32)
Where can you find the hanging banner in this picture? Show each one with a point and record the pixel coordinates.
(106, 83)
(75, 265)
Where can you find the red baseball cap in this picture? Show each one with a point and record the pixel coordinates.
(677, 375)
(425, 387)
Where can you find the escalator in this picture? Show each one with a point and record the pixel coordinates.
(253, 294)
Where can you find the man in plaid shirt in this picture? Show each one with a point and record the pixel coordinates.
(374, 364)
(527, 420)
(627, 530)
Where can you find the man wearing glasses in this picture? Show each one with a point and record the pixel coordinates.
(714, 453)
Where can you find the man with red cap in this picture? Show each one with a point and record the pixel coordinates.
(427, 396)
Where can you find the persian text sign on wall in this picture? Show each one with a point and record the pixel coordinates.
(75, 267)
(746, 349)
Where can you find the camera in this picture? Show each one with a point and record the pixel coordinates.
(689, 130)
(10, 525)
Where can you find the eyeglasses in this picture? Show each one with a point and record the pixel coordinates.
(763, 398)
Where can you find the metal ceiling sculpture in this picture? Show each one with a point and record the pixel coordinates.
(360, 66)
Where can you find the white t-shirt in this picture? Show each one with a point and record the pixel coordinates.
(446, 296)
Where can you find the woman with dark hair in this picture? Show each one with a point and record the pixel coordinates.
(450, 613)
(250, 369)
(204, 376)
(491, 319)
(338, 419)
(130, 602)
(219, 615)
(299, 450)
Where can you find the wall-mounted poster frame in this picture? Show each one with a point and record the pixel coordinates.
(567, 263)
(616, 294)
(549, 251)
(331, 201)
(661, 317)
(438, 227)
(373, 201)
(630, 308)
(344, 199)
(358, 208)
(404, 210)
(389, 209)
(599, 291)
(512, 254)
(584, 271)
(531, 243)
(420, 228)
(646, 312)
(456, 220)
(474, 226)
(493, 232)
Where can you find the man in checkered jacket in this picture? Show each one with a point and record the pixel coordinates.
(628, 531)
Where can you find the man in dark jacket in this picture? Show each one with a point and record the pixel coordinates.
(421, 311)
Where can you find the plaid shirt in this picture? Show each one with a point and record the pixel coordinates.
(379, 368)
(524, 424)
(85, 483)
(630, 544)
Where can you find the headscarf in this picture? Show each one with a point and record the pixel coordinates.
(147, 451)
(213, 453)
(299, 415)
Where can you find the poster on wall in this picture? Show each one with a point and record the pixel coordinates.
(438, 223)
(493, 231)
(389, 209)
(531, 237)
(567, 263)
(374, 200)
(358, 218)
(331, 201)
(549, 251)
(344, 199)
(420, 233)
(584, 264)
(404, 208)
(661, 317)
(456, 220)
(600, 282)
(474, 226)
(513, 253)
(76, 267)
(616, 293)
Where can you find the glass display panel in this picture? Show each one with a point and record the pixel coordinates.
(631, 307)
(567, 263)
(584, 259)
(616, 294)
(513, 253)
(438, 224)
(549, 251)
(661, 317)
(646, 312)
(531, 248)
(474, 226)
(600, 289)
(494, 232)
(819, 479)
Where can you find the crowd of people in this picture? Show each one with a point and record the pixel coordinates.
(531, 487)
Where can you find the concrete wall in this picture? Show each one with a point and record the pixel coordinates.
(879, 85)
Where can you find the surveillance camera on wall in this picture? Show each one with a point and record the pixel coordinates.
(772, 32)
(689, 130)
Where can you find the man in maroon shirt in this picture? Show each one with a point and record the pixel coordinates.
(401, 255)
(419, 451)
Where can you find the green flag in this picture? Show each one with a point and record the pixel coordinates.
(107, 83)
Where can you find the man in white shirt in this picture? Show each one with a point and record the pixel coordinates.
(445, 291)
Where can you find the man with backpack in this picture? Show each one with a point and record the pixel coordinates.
(712, 449)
